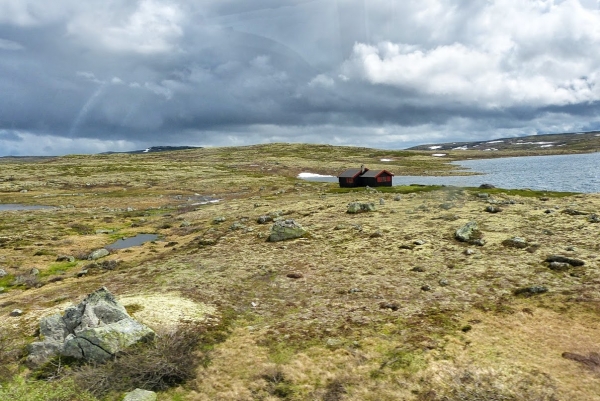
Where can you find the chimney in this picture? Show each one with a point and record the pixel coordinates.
(362, 169)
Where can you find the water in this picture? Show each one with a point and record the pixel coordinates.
(15, 206)
(132, 241)
(566, 173)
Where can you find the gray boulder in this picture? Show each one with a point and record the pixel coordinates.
(357, 207)
(3, 273)
(140, 395)
(95, 330)
(469, 233)
(286, 230)
(98, 253)
(515, 242)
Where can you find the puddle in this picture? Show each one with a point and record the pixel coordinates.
(16, 206)
(132, 241)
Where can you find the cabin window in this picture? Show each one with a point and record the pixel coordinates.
(349, 180)
(384, 179)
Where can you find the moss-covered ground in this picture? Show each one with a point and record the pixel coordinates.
(384, 305)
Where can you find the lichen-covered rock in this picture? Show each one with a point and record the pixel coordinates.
(286, 230)
(140, 395)
(564, 259)
(357, 207)
(98, 253)
(95, 330)
(515, 242)
(469, 233)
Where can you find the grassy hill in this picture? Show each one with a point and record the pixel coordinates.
(383, 305)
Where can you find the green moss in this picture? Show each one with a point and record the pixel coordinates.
(57, 268)
(59, 390)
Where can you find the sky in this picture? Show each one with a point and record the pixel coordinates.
(117, 75)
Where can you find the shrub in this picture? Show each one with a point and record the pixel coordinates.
(168, 361)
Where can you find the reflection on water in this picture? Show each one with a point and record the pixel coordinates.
(132, 241)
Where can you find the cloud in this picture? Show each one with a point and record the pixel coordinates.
(377, 73)
(9, 45)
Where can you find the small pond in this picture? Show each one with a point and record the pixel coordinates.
(132, 241)
(16, 206)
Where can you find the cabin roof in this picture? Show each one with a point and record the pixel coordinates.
(351, 173)
(375, 173)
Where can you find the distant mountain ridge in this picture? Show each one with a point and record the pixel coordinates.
(154, 149)
(587, 141)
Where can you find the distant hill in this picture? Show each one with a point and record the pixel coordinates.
(154, 149)
(571, 142)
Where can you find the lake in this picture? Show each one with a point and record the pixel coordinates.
(567, 173)
(14, 206)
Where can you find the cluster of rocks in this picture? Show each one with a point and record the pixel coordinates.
(95, 330)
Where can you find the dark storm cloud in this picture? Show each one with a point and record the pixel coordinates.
(95, 76)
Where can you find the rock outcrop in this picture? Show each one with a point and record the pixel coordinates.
(286, 230)
(469, 233)
(95, 330)
(140, 395)
(357, 207)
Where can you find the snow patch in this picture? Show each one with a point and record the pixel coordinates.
(461, 148)
(435, 147)
(495, 142)
(312, 175)
(386, 160)
(207, 202)
(532, 143)
(438, 154)
(546, 146)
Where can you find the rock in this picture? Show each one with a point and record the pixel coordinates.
(2, 290)
(3, 273)
(65, 258)
(357, 207)
(419, 242)
(218, 220)
(95, 330)
(469, 233)
(483, 195)
(559, 266)
(469, 251)
(286, 230)
(140, 395)
(82, 273)
(486, 186)
(515, 242)
(34, 271)
(264, 219)
(382, 201)
(564, 259)
(101, 231)
(425, 288)
(16, 312)
(407, 246)
(376, 234)
(398, 198)
(444, 283)
(532, 290)
(295, 275)
(185, 223)
(389, 305)
(418, 269)
(493, 209)
(573, 212)
(237, 226)
(594, 218)
(98, 253)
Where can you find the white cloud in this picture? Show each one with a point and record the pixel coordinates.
(517, 53)
(153, 26)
